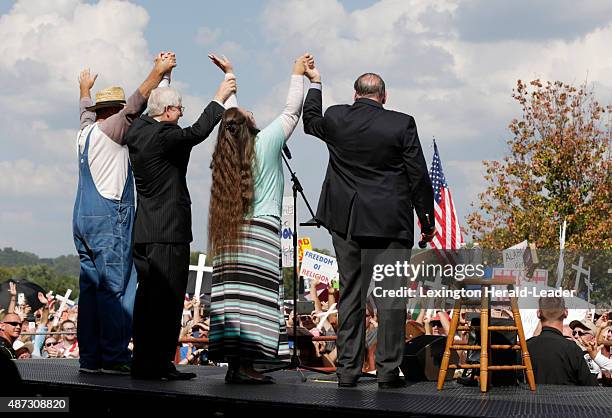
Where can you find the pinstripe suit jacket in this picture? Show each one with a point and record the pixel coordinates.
(159, 153)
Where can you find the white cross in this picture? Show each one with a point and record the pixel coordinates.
(200, 269)
(579, 269)
(62, 307)
(69, 302)
(435, 285)
(561, 263)
(412, 302)
(589, 286)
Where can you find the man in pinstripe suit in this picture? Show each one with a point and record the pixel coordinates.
(159, 152)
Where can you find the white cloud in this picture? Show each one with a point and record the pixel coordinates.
(55, 40)
(22, 178)
(44, 46)
(206, 36)
(458, 88)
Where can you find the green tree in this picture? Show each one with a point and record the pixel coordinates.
(558, 168)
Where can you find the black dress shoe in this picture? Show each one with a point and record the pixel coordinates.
(393, 384)
(347, 383)
(229, 376)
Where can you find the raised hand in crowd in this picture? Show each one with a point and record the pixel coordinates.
(55, 351)
(331, 294)
(13, 297)
(314, 296)
(42, 298)
(195, 302)
(22, 311)
(602, 321)
(591, 347)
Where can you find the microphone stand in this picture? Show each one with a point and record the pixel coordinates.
(295, 362)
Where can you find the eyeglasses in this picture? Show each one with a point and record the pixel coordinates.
(51, 344)
(13, 324)
(180, 108)
(579, 333)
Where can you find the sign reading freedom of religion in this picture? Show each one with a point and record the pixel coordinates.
(319, 266)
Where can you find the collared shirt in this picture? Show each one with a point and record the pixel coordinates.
(558, 361)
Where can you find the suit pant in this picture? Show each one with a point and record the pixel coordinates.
(357, 258)
(163, 270)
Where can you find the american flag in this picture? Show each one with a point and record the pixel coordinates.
(448, 232)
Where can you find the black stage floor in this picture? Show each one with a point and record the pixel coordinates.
(319, 396)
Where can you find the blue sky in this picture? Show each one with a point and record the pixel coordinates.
(451, 64)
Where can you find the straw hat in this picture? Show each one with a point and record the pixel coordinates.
(109, 97)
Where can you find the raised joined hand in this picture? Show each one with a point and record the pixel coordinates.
(165, 61)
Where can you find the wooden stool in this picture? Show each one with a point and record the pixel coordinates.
(485, 346)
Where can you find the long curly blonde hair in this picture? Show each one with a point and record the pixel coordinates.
(231, 193)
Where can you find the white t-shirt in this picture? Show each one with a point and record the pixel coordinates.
(108, 161)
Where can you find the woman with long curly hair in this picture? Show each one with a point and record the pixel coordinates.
(244, 222)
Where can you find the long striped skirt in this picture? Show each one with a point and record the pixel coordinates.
(246, 318)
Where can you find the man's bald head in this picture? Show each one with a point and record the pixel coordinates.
(11, 317)
(10, 326)
(370, 86)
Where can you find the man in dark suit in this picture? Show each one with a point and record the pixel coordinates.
(375, 177)
(159, 152)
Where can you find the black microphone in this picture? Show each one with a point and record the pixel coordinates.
(286, 151)
(422, 243)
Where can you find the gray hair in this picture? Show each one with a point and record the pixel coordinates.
(161, 98)
(370, 85)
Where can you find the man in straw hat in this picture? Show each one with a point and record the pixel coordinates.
(103, 220)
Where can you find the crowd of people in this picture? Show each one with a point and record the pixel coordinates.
(49, 332)
(577, 353)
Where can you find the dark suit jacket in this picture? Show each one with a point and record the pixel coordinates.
(376, 172)
(159, 153)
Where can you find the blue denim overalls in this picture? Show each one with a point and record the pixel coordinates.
(102, 230)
